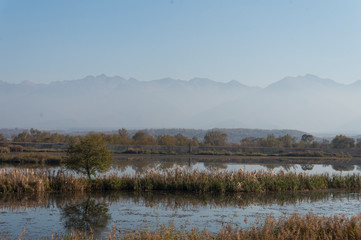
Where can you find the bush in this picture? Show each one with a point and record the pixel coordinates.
(4, 150)
(16, 148)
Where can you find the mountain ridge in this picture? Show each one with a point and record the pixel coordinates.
(307, 103)
(307, 78)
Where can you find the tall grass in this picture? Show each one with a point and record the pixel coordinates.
(295, 227)
(175, 200)
(17, 180)
(30, 157)
(33, 180)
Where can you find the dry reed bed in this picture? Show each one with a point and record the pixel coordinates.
(156, 199)
(295, 227)
(17, 180)
(30, 157)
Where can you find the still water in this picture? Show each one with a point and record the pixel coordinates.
(131, 167)
(43, 214)
(134, 165)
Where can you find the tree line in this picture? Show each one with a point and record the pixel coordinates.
(211, 138)
(307, 141)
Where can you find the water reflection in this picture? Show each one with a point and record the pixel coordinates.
(215, 166)
(120, 167)
(343, 167)
(43, 214)
(80, 207)
(307, 167)
(133, 165)
(85, 215)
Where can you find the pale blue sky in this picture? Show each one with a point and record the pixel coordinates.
(256, 42)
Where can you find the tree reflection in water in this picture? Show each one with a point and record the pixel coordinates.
(307, 167)
(343, 167)
(90, 214)
(286, 167)
(211, 166)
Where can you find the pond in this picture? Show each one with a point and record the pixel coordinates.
(121, 168)
(43, 214)
(133, 165)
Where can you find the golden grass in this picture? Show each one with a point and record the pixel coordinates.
(33, 180)
(295, 227)
(30, 157)
(217, 181)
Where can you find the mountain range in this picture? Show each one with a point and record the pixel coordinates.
(306, 103)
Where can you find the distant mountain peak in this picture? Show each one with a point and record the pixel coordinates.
(309, 75)
(235, 83)
(27, 83)
(199, 80)
(167, 79)
(132, 80)
(357, 83)
(306, 81)
(102, 76)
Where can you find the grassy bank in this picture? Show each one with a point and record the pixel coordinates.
(30, 157)
(293, 228)
(225, 152)
(33, 154)
(17, 180)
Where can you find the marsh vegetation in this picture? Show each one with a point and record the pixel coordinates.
(30, 180)
(236, 189)
(177, 214)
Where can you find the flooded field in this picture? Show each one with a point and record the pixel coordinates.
(139, 167)
(43, 214)
(131, 165)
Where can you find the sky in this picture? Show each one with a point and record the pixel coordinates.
(255, 42)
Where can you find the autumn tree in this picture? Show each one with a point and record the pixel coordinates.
(182, 140)
(215, 138)
(270, 141)
(250, 142)
(88, 156)
(143, 138)
(286, 141)
(307, 138)
(341, 141)
(166, 140)
(124, 136)
(24, 136)
(3, 138)
(37, 136)
(195, 141)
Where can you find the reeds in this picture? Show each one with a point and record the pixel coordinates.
(229, 181)
(295, 227)
(174, 200)
(30, 157)
(218, 181)
(31, 180)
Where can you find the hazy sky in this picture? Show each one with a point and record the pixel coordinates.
(256, 42)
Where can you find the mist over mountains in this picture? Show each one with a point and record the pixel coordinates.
(306, 103)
